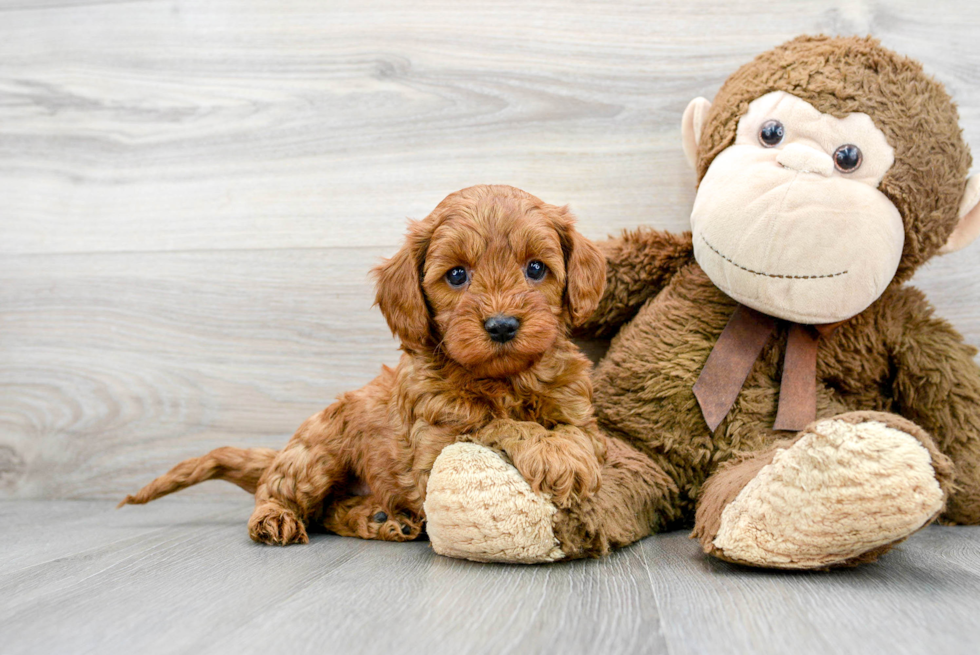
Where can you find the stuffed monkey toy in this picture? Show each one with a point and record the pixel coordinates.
(772, 379)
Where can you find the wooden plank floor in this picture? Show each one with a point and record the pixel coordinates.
(182, 577)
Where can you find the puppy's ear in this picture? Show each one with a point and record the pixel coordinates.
(585, 270)
(399, 288)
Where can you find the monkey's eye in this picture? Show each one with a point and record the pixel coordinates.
(457, 277)
(535, 270)
(771, 134)
(847, 158)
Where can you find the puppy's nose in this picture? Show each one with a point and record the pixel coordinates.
(502, 328)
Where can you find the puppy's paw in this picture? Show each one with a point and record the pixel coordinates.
(565, 468)
(366, 518)
(563, 462)
(401, 527)
(273, 524)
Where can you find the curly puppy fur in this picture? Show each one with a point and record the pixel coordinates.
(360, 467)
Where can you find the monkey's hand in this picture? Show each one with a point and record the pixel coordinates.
(639, 263)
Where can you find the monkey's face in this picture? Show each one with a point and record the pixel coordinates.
(789, 219)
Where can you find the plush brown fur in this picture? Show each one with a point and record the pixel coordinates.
(360, 466)
(666, 315)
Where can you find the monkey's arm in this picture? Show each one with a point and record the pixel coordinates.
(937, 385)
(639, 263)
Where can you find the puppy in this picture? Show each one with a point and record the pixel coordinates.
(482, 296)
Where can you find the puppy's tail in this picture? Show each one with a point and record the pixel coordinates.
(242, 466)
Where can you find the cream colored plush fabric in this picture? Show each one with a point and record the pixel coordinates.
(691, 124)
(840, 491)
(781, 230)
(479, 507)
(969, 225)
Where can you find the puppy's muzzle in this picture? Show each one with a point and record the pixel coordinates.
(502, 328)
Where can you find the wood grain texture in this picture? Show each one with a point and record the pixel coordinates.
(192, 194)
(184, 577)
(118, 366)
(181, 576)
(921, 598)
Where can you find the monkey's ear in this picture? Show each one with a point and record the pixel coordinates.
(585, 270)
(399, 288)
(691, 125)
(968, 228)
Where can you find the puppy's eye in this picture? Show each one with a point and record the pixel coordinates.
(847, 158)
(771, 134)
(457, 277)
(380, 517)
(536, 270)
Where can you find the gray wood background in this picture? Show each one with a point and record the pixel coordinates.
(192, 193)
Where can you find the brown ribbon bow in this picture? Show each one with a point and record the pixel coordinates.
(732, 358)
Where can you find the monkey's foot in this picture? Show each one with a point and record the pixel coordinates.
(846, 491)
(479, 507)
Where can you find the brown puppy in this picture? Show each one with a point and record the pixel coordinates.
(481, 295)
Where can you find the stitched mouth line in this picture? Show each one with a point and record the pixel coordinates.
(763, 273)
